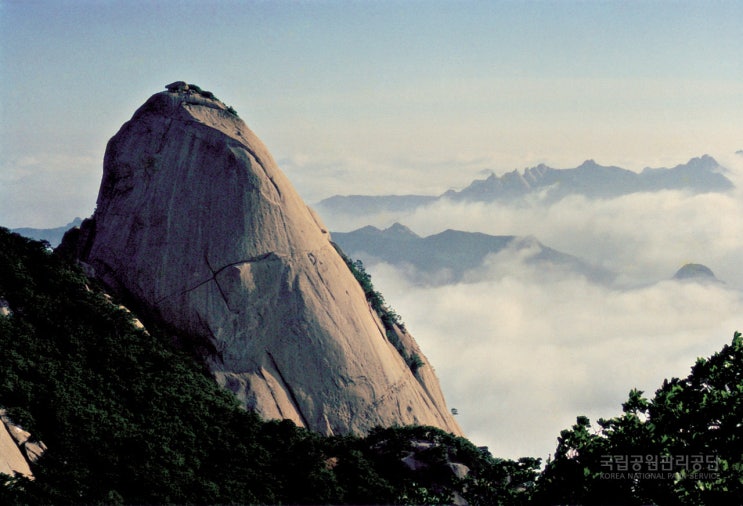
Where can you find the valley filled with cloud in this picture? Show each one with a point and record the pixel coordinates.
(521, 349)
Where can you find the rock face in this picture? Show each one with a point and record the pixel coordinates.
(17, 448)
(199, 228)
(12, 461)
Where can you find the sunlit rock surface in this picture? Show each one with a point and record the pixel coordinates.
(197, 225)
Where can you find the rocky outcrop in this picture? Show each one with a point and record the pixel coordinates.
(196, 226)
(426, 455)
(4, 307)
(17, 449)
(12, 461)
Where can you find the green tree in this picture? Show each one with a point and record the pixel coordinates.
(693, 425)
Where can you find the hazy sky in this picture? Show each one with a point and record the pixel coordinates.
(369, 97)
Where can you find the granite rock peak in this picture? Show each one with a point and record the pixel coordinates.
(197, 227)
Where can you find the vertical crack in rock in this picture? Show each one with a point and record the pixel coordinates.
(287, 387)
(216, 281)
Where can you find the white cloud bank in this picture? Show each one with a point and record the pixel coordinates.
(520, 356)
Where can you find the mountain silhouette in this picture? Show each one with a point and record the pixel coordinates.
(448, 257)
(698, 175)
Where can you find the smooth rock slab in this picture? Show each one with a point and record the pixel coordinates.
(196, 225)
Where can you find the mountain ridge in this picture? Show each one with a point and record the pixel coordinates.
(590, 179)
(448, 256)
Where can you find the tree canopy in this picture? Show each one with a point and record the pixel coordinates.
(683, 446)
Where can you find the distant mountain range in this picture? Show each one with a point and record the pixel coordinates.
(447, 257)
(698, 175)
(51, 235)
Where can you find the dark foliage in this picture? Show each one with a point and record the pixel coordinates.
(685, 446)
(195, 89)
(129, 419)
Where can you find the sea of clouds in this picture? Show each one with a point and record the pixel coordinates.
(521, 351)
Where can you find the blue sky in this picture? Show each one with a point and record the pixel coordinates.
(370, 97)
